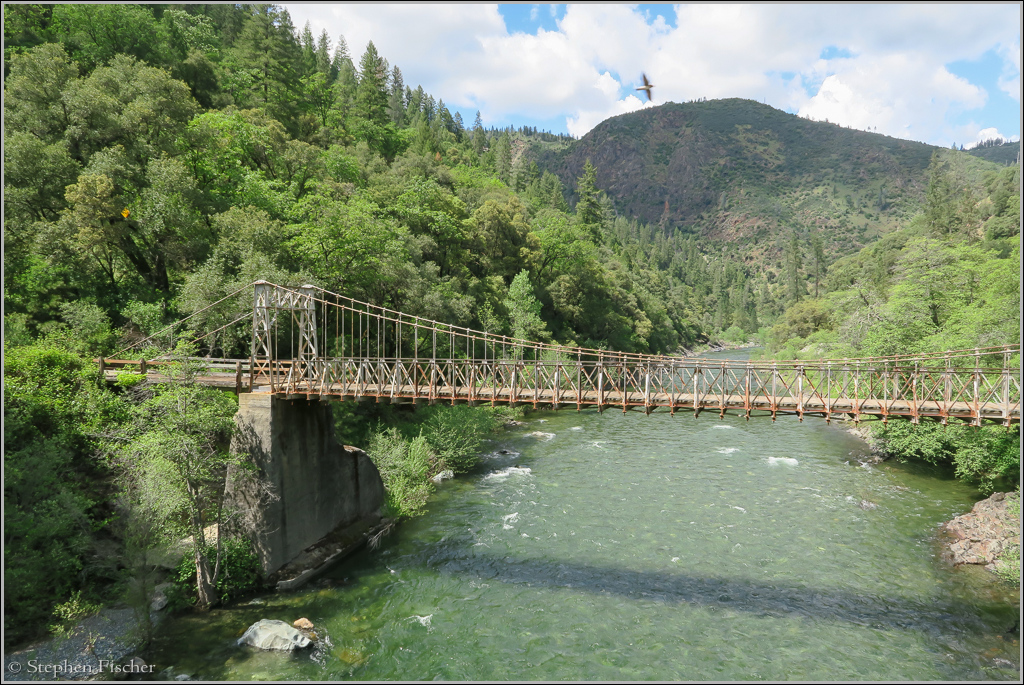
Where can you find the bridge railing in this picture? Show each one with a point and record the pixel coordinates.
(310, 342)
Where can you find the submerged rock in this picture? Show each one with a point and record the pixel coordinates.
(274, 635)
(985, 533)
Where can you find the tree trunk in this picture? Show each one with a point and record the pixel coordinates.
(204, 587)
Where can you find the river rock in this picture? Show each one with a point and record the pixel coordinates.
(444, 475)
(986, 532)
(274, 635)
(159, 597)
(303, 624)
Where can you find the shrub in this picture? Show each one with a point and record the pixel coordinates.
(70, 613)
(455, 434)
(240, 572)
(53, 406)
(404, 467)
(986, 457)
(1008, 567)
(734, 335)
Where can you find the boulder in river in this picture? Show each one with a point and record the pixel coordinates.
(983, 534)
(274, 635)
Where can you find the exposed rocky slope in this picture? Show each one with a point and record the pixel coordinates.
(986, 532)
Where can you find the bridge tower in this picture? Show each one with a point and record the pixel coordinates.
(321, 489)
(299, 308)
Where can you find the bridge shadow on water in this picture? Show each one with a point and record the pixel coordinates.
(935, 614)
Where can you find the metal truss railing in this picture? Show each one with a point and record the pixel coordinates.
(310, 342)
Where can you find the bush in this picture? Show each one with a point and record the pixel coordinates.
(71, 612)
(53, 486)
(455, 434)
(734, 335)
(405, 467)
(504, 414)
(987, 456)
(240, 572)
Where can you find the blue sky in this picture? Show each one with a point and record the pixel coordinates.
(938, 73)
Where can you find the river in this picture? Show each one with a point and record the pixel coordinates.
(632, 547)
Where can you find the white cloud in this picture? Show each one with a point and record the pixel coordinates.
(895, 80)
(900, 95)
(986, 134)
(587, 120)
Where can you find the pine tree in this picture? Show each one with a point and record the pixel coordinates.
(341, 58)
(503, 158)
(308, 50)
(588, 206)
(266, 46)
(479, 135)
(460, 128)
(818, 251)
(414, 104)
(323, 56)
(372, 92)
(396, 100)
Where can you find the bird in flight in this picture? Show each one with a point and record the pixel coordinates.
(647, 86)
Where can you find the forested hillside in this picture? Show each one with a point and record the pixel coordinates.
(160, 157)
(145, 179)
(736, 170)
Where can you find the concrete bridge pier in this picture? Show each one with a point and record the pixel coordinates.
(317, 488)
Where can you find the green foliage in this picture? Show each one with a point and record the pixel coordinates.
(54, 406)
(171, 459)
(404, 466)
(455, 435)
(988, 457)
(239, 574)
(800, 320)
(734, 335)
(524, 309)
(69, 613)
(416, 446)
(1008, 566)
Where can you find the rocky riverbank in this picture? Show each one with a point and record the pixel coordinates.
(99, 648)
(986, 533)
(979, 537)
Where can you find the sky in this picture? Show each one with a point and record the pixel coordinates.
(942, 74)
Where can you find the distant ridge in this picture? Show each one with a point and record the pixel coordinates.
(1004, 154)
(739, 170)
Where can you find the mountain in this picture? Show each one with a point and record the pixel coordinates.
(736, 170)
(1004, 154)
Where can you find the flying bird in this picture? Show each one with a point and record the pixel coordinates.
(647, 86)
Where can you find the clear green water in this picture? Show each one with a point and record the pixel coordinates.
(632, 547)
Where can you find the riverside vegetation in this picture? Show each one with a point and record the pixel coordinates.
(160, 157)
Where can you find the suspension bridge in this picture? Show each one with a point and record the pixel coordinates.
(310, 343)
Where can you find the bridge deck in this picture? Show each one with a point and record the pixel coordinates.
(312, 343)
(631, 399)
